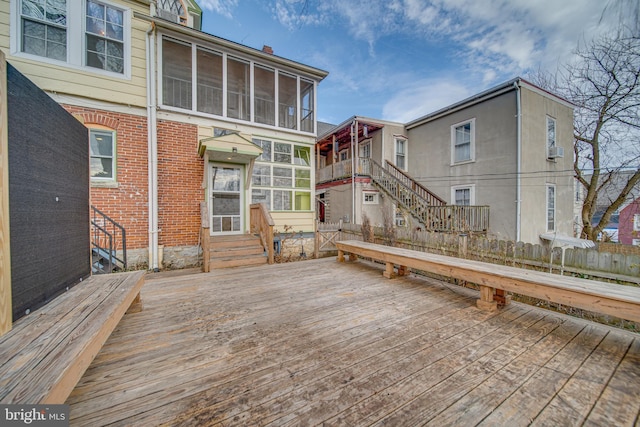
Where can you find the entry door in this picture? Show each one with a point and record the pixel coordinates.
(226, 199)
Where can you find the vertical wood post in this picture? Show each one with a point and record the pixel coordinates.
(463, 243)
(205, 236)
(6, 313)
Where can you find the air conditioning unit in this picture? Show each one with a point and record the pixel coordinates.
(168, 15)
(555, 152)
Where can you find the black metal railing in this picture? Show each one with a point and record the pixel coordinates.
(108, 244)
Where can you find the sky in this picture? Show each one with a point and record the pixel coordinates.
(398, 60)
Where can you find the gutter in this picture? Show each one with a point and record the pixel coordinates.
(152, 142)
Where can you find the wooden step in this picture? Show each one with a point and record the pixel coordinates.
(240, 261)
(231, 241)
(236, 251)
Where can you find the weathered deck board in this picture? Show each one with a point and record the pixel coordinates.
(318, 341)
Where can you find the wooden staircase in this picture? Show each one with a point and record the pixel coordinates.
(236, 250)
(429, 209)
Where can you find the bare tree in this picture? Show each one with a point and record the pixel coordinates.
(604, 86)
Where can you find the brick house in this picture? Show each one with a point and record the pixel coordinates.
(153, 90)
(629, 224)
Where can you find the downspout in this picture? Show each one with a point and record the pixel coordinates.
(152, 138)
(353, 174)
(518, 159)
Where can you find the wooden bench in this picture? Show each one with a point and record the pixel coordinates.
(495, 280)
(46, 353)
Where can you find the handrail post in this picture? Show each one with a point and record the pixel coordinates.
(204, 237)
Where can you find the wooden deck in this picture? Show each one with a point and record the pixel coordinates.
(318, 342)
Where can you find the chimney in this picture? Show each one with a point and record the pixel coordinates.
(267, 49)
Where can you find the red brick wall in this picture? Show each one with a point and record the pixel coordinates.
(180, 175)
(128, 203)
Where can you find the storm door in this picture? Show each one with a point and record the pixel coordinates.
(226, 199)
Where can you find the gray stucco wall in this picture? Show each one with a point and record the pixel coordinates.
(493, 171)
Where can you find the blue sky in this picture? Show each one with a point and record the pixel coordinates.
(400, 59)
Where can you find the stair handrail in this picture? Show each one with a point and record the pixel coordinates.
(106, 226)
(262, 224)
(96, 238)
(414, 185)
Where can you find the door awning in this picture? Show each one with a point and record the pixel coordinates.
(229, 148)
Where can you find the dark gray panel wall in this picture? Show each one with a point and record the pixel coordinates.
(48, 195)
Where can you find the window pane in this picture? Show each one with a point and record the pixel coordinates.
(301, 155)
(105, 33)
(303, 178)
(281, 200)
(209, 82)
(265, 96)
(287, 101)
(463, 143)
(282, 153)
(303, 201)
(551, 208)
(306, 105)
(261, 175)
(551, 132)
(463, 197)
(266, 149)
(237, 89)
(51, 11)
(261, 196)
(282, 177)
(101, 153)
(44, 40)
(176, 74)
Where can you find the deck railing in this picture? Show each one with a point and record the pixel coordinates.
(262, 224)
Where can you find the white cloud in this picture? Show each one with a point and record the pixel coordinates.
(423, 97)
(222, 7)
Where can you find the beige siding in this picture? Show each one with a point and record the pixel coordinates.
(80, 82)
(298, 221)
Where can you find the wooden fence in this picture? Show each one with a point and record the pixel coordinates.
(590, 263)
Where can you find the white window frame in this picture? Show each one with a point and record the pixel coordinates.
(365, 150)
(76, 38)
(472, 142)
(635, 242)
(405, 142)
(636, 222)
(114, 178)
(548, 187)
(472, 193)
(370, 198)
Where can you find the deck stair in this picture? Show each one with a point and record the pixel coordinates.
(429, 209)
(236, 251)
(108, 244)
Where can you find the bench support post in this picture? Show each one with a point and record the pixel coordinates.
(486, 301)
(403, 270)
(340, 255)
(502, 298)
(388, 272)
(136, 305)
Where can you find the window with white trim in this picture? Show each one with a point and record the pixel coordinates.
(401, 153)
(635, 242)
(102, 154)
(370, 198)
(104, 37)
(365, 150)
(636, 222)
(463, 142)
(463, 195)
(551, 207)
(88, 34)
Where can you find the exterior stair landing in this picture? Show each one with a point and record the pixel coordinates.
(236, 250)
